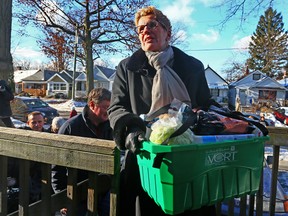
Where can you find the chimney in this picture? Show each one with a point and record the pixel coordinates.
(246, 71)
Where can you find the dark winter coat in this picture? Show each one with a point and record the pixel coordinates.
(131, 96)
(6, 96)
(78, 125)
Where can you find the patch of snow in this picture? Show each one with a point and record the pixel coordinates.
(67, 105)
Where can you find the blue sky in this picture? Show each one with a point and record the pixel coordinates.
(196, 20)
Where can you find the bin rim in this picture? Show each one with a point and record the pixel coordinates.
(156, 148)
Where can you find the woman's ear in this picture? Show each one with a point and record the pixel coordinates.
(168, 38)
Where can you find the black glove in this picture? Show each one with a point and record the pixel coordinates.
(133, 140)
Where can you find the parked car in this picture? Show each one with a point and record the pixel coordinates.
(281, 114)
(22, 106)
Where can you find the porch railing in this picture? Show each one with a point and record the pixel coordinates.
(95, 156)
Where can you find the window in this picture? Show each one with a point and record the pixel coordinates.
(256, 76)
(267, 95)
(58, 86)
(63, 86)
(214, 92)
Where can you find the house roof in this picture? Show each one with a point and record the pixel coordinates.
(81, 77)
(264, 82)
(268, 82)
(100, 74)
(214, 80)
(22, 74)
(283, 82)
(70, 73)
(108, 72)
(247, 80)
(66, 79)
(41, 75)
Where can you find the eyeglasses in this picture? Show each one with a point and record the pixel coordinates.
(150, 25)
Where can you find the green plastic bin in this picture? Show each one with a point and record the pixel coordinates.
(191, 176)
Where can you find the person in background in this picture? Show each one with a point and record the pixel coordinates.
(238, 104)
(262, 119)
(92, 122)
(73, 112)
(6, 96)
(57, 122)
(137, 90)
(35, 122)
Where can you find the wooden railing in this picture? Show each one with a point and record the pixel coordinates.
(253, 205)
(95, 156)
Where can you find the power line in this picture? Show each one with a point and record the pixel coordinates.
(217, 49)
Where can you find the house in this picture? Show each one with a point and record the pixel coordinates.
(61, 83)
(36, 84)
(256, 87)
(46, 82)
(102, 78)
(218, 86)
(19, 75)
(284, 82)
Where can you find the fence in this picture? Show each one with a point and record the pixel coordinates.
(95, 156)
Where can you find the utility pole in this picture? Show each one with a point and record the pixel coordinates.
(75, 56)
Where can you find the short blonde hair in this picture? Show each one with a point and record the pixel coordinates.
(151, 10)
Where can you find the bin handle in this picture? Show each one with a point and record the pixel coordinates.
(191, 120)
(158, 160)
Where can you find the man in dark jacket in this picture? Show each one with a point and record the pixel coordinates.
(92, 122)
(35, 122)
(6, 96)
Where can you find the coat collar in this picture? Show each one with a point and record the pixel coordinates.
(138, 62)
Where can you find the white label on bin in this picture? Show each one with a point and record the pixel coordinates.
(221, 156)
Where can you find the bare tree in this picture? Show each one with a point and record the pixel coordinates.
(243, 9)
(6, 65)
(24, 64)
(234, 69)
(102, 26)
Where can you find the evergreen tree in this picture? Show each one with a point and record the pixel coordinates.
(268, 49)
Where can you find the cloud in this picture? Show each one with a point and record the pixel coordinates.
(179, 10)
(211, 37)
(242, 43)
(28, 52)
(210, 3)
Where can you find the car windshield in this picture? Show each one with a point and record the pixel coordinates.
(35, 103)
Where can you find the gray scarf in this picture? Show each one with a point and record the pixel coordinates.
(167, 85)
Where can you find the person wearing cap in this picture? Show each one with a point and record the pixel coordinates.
(144, 82)
(73, 112)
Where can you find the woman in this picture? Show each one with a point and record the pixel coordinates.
(151, 78)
